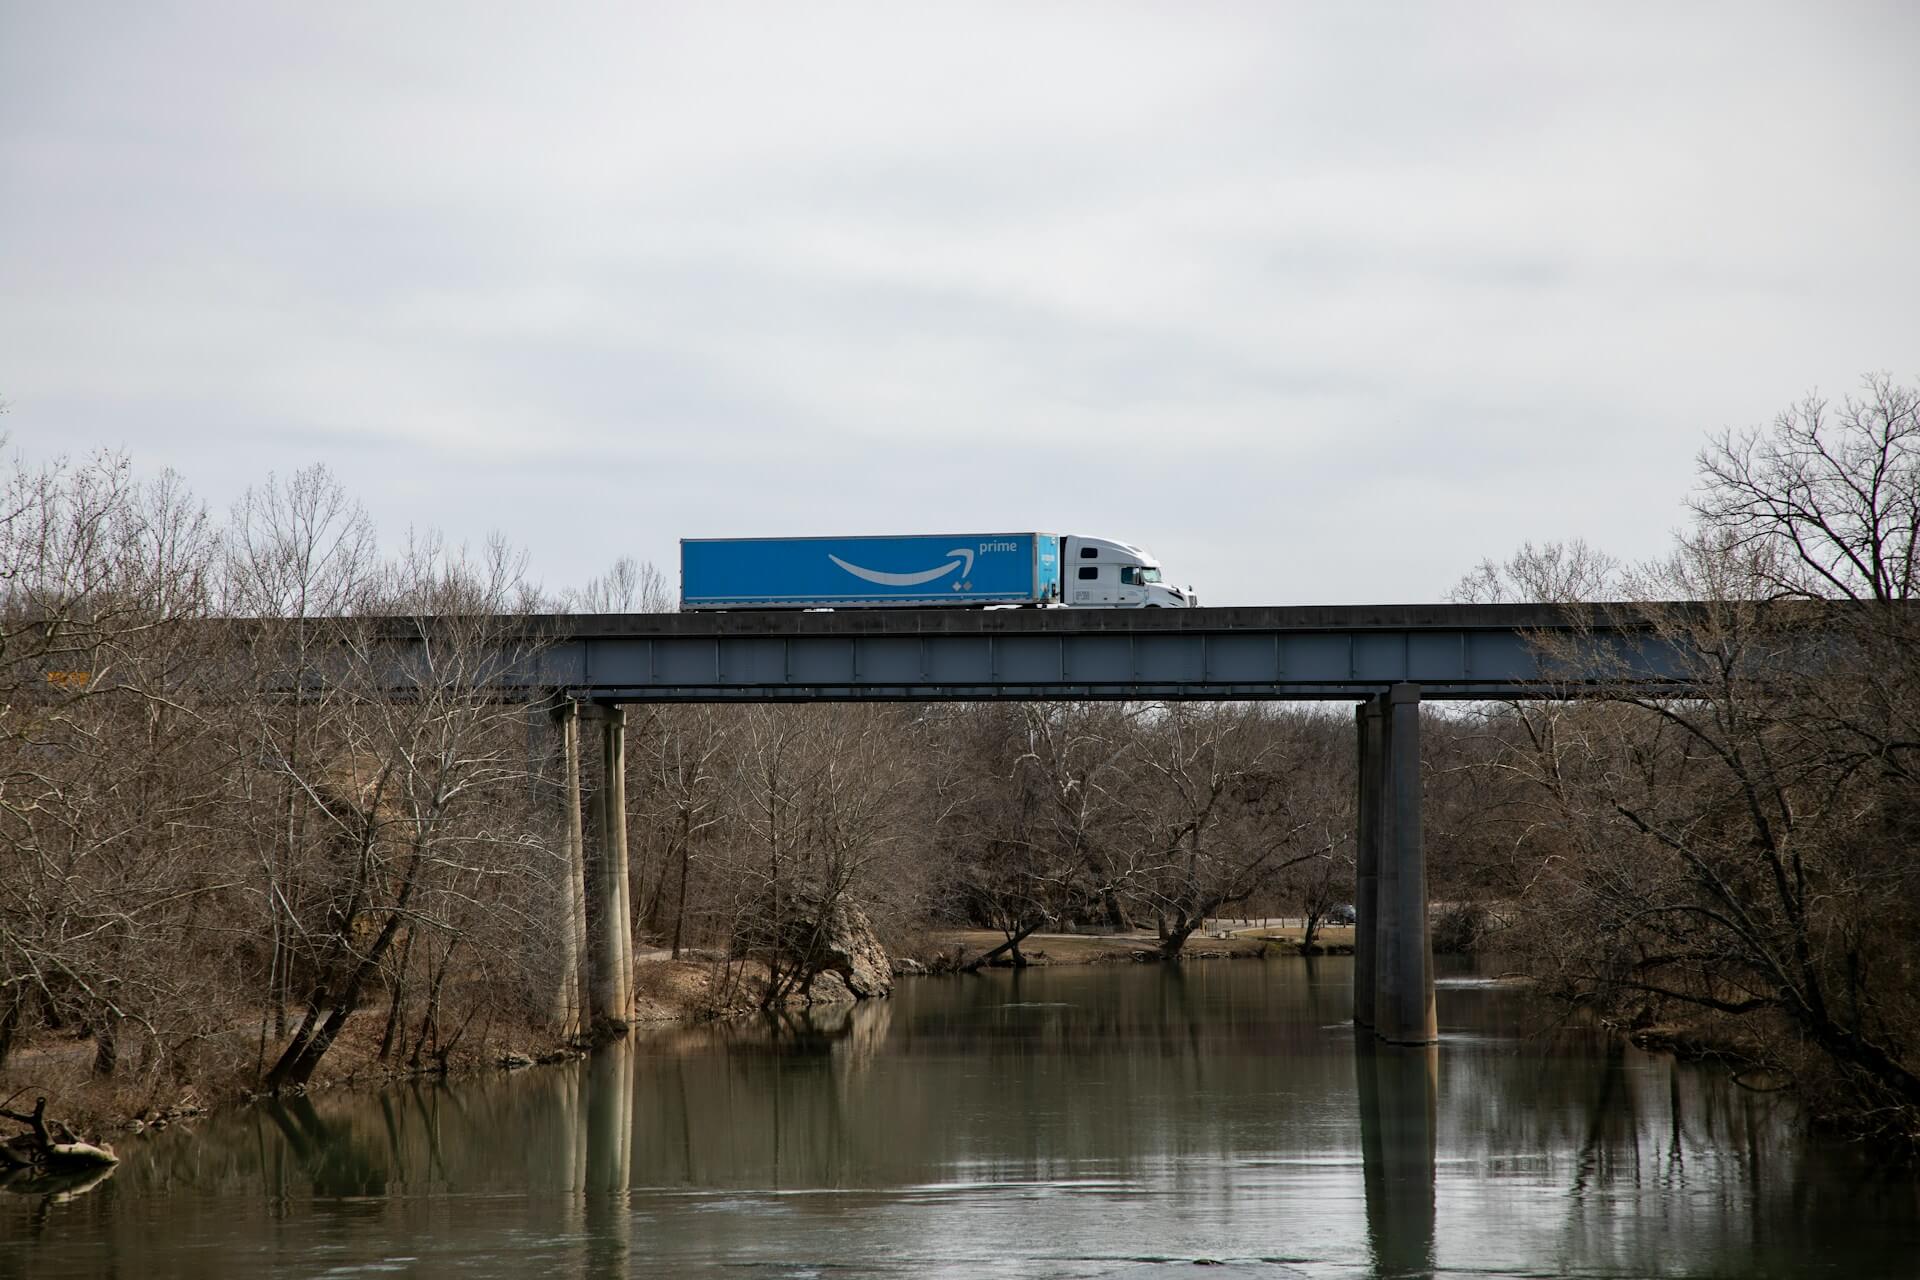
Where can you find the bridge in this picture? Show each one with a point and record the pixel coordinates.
(1386, 659)
(929, 655)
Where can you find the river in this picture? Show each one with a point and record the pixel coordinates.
(1118, 1120)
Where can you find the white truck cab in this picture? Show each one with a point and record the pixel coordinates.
(1096, 573)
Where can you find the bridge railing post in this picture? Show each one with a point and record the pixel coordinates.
(1403, 1003)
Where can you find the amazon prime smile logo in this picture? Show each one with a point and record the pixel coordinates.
(963, 561)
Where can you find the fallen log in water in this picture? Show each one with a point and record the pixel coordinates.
(49, 1146)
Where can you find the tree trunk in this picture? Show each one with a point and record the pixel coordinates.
(318, 1032)
(106, 1048)
(52, 1146)
(397, 997)
(1176, 936)
(9, 1024)
(680, 910)
(430, 1020)
(1011, 944)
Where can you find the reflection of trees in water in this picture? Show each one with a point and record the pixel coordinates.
(805, 1031)
(32, 1199)
(1666, 1167)
(1013, 1075)
(1610, 1111)
(1085, 1011)
(331, 1161)
(1618, 1159)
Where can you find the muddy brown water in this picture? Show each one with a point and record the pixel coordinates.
(1122, 1120)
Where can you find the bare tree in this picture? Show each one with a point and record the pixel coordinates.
(1225, 801)
(404, 788)
(1001, 862)
(681, 763)
(822, 805)
(1742, 852)
(300, 563)
(1830, 495)
(105, 764)
(1553, 573)
(630, 586)
(1077, 761)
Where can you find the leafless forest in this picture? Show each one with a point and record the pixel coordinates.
(225, 853)
(227, 850)
(1743, 862)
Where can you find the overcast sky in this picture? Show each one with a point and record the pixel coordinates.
(1323, 303)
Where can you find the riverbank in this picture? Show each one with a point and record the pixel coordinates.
(667, 993)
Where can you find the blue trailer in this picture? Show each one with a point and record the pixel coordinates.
(917, 571)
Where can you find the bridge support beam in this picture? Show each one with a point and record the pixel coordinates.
(1390, 819)
(609, 915)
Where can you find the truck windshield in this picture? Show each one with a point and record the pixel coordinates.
(1149, 575)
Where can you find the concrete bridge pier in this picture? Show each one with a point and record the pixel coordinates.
(1371, 737)
(1393, 949)
(553, 770)
(609, 911)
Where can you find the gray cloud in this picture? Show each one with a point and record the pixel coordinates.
(1321, 303)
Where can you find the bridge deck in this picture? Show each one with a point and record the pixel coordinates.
(1291, 652)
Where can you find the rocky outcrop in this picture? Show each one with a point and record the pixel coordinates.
(849, 948)
(823, 943)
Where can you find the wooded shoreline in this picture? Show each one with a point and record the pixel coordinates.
(234, 866)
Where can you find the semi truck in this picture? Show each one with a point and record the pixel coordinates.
(922, 571)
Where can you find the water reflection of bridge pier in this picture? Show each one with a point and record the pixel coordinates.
(1398, 1093)
(608, 1168)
